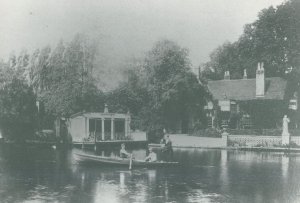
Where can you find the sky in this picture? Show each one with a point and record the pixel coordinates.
(127, 28)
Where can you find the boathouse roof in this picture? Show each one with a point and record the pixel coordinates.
(100, 115)
(245, 89)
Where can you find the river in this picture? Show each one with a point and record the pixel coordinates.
(33, 174)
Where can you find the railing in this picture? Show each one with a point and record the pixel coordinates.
(262, 132)
(253, 141)
(213, 132)
(107, 137)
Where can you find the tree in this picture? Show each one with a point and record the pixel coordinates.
(176, 95)
(63, 77)
(161, 91)
(273, 39)
(17, 110)
(132, 94)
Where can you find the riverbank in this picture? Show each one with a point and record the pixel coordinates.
(257, 149)
(231, 142)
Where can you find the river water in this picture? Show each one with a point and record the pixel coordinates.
(53, 175)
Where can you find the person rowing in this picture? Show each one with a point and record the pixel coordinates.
(123, 152)
(152, 157)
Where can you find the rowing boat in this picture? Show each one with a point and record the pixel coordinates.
(83, 157)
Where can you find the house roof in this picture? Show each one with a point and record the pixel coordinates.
(245, 89)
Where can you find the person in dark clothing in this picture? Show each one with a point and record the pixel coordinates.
(168, 149)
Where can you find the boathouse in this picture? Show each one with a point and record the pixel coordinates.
(97, 127)
(256, 103)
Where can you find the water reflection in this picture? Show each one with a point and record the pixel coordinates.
(285, 160)
(47, 175)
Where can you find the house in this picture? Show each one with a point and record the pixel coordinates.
(248, 103)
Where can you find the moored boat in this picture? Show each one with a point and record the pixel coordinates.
(83, 157)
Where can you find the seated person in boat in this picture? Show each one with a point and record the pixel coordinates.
(152, 156)
(123, 152)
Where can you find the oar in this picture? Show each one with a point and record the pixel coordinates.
(130, 162)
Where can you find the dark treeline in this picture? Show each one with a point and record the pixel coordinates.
(160, 89)
(50, 83)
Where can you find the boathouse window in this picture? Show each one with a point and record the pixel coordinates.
(119, 128)
(95, 128)
(107, 129)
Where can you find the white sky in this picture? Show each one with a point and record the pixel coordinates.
(128, 27)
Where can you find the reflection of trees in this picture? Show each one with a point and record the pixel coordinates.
(35, 174)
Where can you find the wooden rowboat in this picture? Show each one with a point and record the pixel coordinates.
(82, 157)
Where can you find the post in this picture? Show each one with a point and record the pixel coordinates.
(102, 125)
(126, 127)
(57, 127)
(95, 132)
(285, 136)
(225, 138)
(87, 127)
(112, 129)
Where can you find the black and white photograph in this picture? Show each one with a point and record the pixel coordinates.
(150, 101)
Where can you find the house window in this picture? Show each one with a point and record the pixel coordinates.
(224, 105)
(293, 104)
(247, 122)
(233, 107)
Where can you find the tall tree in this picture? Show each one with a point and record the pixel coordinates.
(63, 78)
(17, 110)
(273, 39)
(176, 93)
(161, 91)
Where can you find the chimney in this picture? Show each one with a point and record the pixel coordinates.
(227, 75)
(245, 74)
(260, 80)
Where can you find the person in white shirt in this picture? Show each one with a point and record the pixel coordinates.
(123, 152)
(152, 156)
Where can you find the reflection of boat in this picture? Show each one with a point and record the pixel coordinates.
(120, 161)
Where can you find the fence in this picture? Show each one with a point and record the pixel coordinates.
(262, 132)
(253, 141)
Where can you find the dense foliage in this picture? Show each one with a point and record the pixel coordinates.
(162, 92)
(273, 39)
(60, 81)
(63, 78)
(17, 110)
